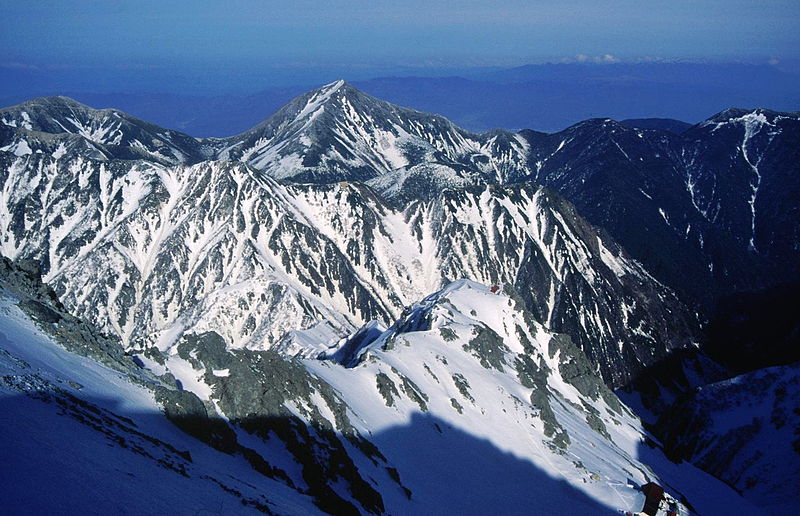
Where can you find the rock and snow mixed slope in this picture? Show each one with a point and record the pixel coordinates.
(83, 431)
(63, 126)
(745, 431)
(338, 133)
(718, 199)
(148, 252)
(468, 370)
(710, 211)
(335, 133)
(466, 403)
(214, 273)
(743, 171)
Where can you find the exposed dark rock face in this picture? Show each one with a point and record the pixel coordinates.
(709, 211)
(745, 431)
(759, 329)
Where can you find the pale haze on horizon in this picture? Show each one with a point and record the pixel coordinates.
(142, 33)
(126, 54)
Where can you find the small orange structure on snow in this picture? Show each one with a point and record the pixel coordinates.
(494, 289)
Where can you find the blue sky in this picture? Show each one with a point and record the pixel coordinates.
(180, 39)
(146, 31)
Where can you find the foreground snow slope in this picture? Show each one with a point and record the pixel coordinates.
(468, 370)
(83, 438)
(466, 403)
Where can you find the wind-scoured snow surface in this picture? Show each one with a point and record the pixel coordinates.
(81, 438)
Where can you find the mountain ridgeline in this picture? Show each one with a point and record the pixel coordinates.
(166, 248)
(348, 267)
(708, 210)
(280, 435)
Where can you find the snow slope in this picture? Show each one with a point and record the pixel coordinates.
(462, 400)
(468, 370)
(80, 437)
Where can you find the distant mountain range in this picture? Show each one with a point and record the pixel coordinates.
(545, 97)
(658, 188)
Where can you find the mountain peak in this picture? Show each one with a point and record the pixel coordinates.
(305, 108)
(332, 87)
(339, 133)
(58, 114)
(734, 114)
(324, 93)
(54, 101)
(121, 135)
(334, 96)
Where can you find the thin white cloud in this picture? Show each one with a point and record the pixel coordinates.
(15, 65)
(599, 59)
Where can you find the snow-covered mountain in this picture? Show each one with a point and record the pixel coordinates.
(61, 126)
(752, 195)
(148, 252)
(338, 133)
(709, 211)
(686, 205)
(350, 276)
(466, 403)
